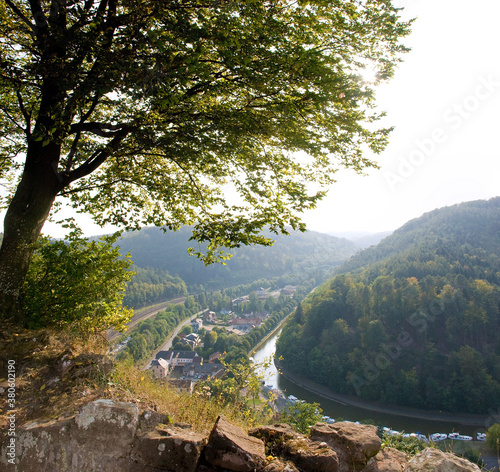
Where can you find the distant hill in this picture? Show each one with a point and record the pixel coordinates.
(455, 228)
(413, 321)
(303, 254)
(362, 239)
(370, 239)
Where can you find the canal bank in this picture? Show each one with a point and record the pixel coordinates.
(352, 409)
(477, 421)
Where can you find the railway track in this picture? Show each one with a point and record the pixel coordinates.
(143, 314)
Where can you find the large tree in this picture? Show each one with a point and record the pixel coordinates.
(151, 112)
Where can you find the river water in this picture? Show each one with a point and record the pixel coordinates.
(353, 413)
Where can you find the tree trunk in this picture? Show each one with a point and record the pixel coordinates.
(23, 223)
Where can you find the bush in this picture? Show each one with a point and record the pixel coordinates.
(79, 283)
(493, 437)
(409, 445)
(472, 455)
(302, 415)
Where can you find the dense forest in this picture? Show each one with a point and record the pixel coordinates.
(150, 286)
(413, 321)
(307, 254)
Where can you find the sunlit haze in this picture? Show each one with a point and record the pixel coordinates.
(444, 102)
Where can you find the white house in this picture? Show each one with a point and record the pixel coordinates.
(159, 367)
(175, 358)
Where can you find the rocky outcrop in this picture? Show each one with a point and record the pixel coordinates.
(109, 436)
(354, 443)
(387, 460)
(171, 449)
(231, 448)
(434, 460)
(98, 438)
(309, 456)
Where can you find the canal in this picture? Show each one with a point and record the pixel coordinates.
(340, 411)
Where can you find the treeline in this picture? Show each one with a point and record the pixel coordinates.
(149, 334)
(150, 286)
(431, 344)
(469, 229)
(419, 326)
(293, 260)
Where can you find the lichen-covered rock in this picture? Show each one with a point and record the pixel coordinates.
(278, 465)
(311, 456)
(434, 460)
(105, 419)
(354, 443)
(149, 419)
(231, 448)
(99, 438)
(42, 446)
(168, 449)
(274, 437)
(387, 460)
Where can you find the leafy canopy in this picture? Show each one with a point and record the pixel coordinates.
(78, 285)
(154, 112)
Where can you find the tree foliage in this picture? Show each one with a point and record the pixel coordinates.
(150, 286)
(79, 284)
(493, 437)
(418, 325)
(240, 375)
(153, 112)
(302, 415)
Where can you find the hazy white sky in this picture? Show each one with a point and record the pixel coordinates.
(444, 102)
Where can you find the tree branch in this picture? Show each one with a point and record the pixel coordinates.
(97, 159)
(38, 15)
(94, 187)
(104, 130)
(12, 119)
(57, 15)
(72, 152)
(25, 113)
(24, 19)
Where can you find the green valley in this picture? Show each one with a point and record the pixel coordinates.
(294, 258)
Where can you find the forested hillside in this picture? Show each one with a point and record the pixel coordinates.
(413, 321)
(308, 254)
(150, 286)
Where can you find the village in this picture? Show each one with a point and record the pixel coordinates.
(182, 366)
